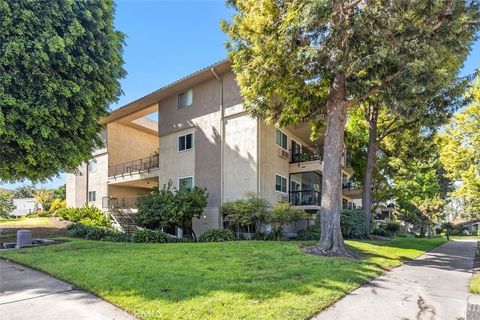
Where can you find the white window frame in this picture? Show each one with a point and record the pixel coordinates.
(184, 135)
(286, 135)
(178, 99)
(90, 167)
(286, 184)
(94, 192)
(186, 177)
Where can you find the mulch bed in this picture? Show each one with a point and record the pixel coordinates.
(317, 251)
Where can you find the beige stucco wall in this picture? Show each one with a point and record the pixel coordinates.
(126, 143)
(97, 181)
(240, 157)
(117, 191)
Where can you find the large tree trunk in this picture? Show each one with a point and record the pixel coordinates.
(331, 241)
(369, 168)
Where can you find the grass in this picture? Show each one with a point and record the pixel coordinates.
(231, 280)
(25, 222)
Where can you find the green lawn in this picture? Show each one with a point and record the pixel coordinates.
(232, 280)
(25, 222)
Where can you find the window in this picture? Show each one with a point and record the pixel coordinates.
(280, 183)
(185, 183)
(185, 142)
(185, 99)
(92, 196)
(281, 139)
(92, 166)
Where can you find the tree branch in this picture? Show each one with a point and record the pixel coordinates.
(373, 89)
(398, 128)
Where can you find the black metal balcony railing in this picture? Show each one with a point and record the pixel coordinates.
(350, 185)
(121, 203)
(134, 166)
(308, 153)
(304, 198)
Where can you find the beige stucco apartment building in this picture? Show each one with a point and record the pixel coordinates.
(195, 132)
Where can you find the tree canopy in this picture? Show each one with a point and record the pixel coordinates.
(460, 155)
(313, 60)
(60, 65)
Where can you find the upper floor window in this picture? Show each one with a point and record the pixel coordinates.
(92, 166)
(281, 139)
(185, 183)
(92, 196)
(280, 183)
(185, 99)
(185, 142)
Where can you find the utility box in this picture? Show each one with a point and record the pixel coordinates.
(24, 238)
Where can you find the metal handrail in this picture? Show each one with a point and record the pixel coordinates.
(304, 197)
(121, 203)
(134, 166)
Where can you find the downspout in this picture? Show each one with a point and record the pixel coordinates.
(222, 141)
(86, 185)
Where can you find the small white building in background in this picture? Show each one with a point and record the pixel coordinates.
(23, 206)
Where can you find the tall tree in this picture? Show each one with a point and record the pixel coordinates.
(460, 155)
(6, 204)
(314, 60)
(373, 121)
(60, 65)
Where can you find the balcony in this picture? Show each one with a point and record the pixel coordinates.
(120, 203)
(351, 189)
(304, 198)
(306, 154)
(134, 167)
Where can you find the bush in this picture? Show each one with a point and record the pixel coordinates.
(381, 232)
(78, 230)
(149, 236)
(217, 235)
(56, 206)
(438, 231)
(87, 215)
(392, 227)
(352, 223)
(309, 233)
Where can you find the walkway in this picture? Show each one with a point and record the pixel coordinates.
(29, 294)
(433, 286)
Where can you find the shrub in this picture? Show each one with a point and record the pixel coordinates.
(392, 227)
(162, 208)
(56, 206)
(217, 235)
(78, 230)
(149, 236)
(276, 234)
(245, 212)
(282, 214)
(309, 233)
(87, 215)
(352, 223)
(438, 231)
(381, 232)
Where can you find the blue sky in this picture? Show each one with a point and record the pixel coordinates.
(167, 40)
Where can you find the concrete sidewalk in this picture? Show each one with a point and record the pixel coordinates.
(29, 294)
(433, 286)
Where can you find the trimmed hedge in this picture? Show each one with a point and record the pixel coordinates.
(86, 215)
(217, 235)
(149, 236)
(310, 233)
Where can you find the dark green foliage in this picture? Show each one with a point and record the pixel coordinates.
(392, 227)
(381, 232)
(251, 210)
(87, 215)
(60, 192)
(78, 230)
(217, 235)
(154, 209)
(165, 207)
(60, 65)
(352, 223)
(438, 231)
(149, 236)
(6, 204)
(309, 233)
(277, 234)
(24, 192)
